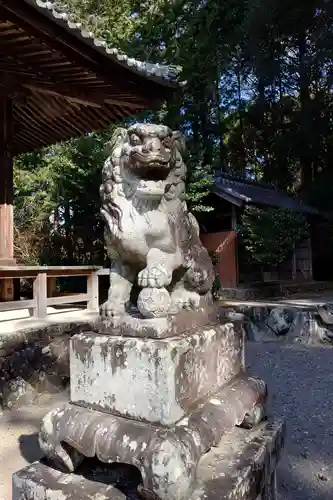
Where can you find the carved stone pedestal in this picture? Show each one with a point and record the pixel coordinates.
(158, 404)
(242, 467)
(154, 380)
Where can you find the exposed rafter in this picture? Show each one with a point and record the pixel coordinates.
(63, 82)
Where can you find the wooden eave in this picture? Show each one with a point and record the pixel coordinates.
(62, 83)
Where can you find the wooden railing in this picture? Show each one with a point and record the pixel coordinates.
(43, 281)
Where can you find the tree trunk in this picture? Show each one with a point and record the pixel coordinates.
(305, 150)
(265, 143)
(243, 155)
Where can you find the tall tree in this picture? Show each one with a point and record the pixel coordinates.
(258, 102)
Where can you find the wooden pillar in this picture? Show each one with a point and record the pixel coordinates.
(92, 291)
(6, 192)
(51, 286)
(40, 295)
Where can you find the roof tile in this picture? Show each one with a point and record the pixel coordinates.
(167, 74)
(243, 191)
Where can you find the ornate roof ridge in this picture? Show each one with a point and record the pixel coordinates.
(165, 74)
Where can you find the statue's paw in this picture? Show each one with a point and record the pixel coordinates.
(154, 277)
(184, 299)
(111, 309)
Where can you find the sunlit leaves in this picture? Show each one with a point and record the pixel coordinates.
(269, 234)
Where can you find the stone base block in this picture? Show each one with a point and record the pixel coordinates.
(42, 482)
(242, 467)
(154, 380)
(132, 324)
(167, 457)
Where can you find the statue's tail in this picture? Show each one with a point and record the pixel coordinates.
(200, 275)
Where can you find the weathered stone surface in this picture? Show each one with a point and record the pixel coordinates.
(265, 322)
(241, 467)
(154, 380)
(274, 290)
(325, 311)
(41, 366)
(154, 302)
(34, 361)
(41, 482)
(151, 237)
(259, 331)
(132, 325)
(309, 328)
(279, 320)
(13, 342)
(310, 324)
(166, 457)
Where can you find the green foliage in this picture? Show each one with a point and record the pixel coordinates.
(269, 234)
(57, 217)
(199, 185)
(258, 100)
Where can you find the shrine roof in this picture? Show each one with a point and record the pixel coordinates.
(164, 74)
(68, 81)
(240, 192)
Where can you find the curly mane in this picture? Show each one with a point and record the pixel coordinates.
(113, 182)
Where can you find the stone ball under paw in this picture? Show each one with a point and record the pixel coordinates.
(154, 302)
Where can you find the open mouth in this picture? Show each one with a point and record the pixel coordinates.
(151, 173)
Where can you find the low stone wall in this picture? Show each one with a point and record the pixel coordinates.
(34, 361)
(269, 290)
(286, 324)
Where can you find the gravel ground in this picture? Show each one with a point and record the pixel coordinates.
(300, 381)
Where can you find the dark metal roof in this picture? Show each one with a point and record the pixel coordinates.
(63, 82)
(242, 192)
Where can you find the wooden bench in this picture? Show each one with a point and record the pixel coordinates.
(44, 278)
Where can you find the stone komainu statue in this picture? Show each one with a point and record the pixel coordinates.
(150, 235)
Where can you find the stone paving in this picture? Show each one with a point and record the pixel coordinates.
(12, 322)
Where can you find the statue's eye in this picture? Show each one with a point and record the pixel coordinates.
(167, 142)
(135, 140)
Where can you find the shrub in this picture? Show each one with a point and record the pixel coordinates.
(269, 234)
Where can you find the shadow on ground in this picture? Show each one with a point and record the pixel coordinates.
(29, 447)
